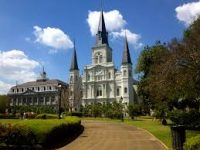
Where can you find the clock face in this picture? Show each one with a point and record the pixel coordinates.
(99, 72)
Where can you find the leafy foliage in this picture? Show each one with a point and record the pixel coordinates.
(16, 135)
(180, 117)
(36, 109)
(134, 110)
(193, 143)
(170, 73)
(111, 110)
(4, 103)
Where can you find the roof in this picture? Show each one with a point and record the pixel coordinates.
(41, 82)
(126, 54)
(74, 64)
(102, 34)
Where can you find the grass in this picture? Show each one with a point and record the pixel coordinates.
(161, 132)
(41, 127)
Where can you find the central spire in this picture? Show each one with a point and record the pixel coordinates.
(102, 34)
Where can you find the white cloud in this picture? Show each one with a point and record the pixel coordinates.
(52, 37)
(132, 38)
(16, 66)
(113, 20)
(115, 24)
(4, 87)
(188, 13)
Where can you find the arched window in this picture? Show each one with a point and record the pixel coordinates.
(125, 72)
(118, 91)
(109, 75)
(99, 91)
(100, 58)
(125, 90)
(88, 77)
(71, 79)
(96, 59)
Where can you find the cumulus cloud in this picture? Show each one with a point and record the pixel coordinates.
(188, 13)
(16, 66)
(132, 38)
(115, 24)
(113, 20)
(4, 87)
(52, 37)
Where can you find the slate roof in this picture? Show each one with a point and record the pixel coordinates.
(74, 64)
(126, 54)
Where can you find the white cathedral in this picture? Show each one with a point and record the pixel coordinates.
(101, 81)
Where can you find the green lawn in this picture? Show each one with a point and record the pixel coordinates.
(41, 127)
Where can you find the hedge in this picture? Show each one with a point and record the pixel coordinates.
(193, 143)
(49, 133)
(46, 116)
(16, 135)
(7, 116)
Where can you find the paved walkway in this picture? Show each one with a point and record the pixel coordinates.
(113, 136)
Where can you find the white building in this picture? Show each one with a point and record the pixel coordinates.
(101, 81)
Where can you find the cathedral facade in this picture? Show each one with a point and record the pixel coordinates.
(101, 82)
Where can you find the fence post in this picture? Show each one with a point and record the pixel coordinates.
(178, 137)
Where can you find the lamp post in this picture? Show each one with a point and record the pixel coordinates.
(122, 115)
(59, 100)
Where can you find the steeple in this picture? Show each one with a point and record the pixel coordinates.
(126, 54)
(43, 75)
(102, 34)
(74, 64)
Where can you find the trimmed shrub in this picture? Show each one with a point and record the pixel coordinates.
(78, 114)
(47, 134)
(192, 143)
(46, 116)
(7, 116)
(16, 135)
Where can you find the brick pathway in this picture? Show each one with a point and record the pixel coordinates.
(113, 136)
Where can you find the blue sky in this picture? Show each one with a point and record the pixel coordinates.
(25, 28)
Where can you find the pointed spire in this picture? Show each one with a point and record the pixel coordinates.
(43, 74)
(102, 34)
(126, 54)
(74, 64)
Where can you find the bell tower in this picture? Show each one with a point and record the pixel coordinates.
(101, 52)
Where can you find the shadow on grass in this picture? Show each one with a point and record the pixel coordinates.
(56, 139)
(64, 138)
